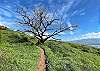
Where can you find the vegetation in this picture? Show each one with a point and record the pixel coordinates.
(16, 54)
(71, 57)
(19, 53)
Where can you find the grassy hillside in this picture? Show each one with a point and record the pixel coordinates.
(15, 52)
(72, 57)
(18, 53)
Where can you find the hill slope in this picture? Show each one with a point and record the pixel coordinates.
(18, 53)
(15, 52)
(72, 57)
(94, 41)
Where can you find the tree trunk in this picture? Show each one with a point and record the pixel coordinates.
(41, 41)
(38, 43)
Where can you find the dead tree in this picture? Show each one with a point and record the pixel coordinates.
(42, 25)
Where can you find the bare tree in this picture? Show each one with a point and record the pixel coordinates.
(42, 24)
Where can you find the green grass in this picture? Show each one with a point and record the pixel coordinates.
(18, 53)
(17, 56)
(71, 57)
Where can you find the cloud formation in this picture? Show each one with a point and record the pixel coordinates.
(5, 13)
(90, 35)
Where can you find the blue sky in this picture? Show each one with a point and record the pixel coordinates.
(84, 13)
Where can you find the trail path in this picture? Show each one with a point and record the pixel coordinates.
(41, 64)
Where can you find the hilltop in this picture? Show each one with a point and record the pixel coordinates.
(18, 52)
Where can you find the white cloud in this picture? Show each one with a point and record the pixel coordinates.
(75, 12)
(66, 7)
(71, 28)
(62, 33)
(70, 4)
(90, 35)
(50, 1)
(82, 10)
(70, 25)
(4, 12)
(7, 24)
(50, 15)
(37, 4)
(46, 33)
(82, 13)
(2, 24)
(29, 34)
(77, 2)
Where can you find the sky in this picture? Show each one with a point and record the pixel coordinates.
(84, 13)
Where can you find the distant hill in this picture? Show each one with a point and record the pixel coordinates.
(93, 41)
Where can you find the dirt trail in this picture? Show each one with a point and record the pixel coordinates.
(41, 64)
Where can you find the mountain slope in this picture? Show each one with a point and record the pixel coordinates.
(94, 41)
(15, 52)
(18, 53)
(72, 57)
